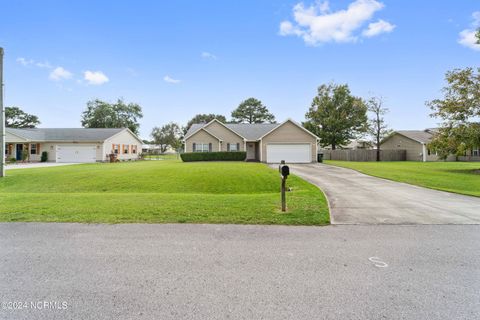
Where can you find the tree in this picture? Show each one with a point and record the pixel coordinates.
(252, 111)
(459, 109)
(168, 135)
(336, 116)
(477, 35)
(378, 128)
(205, 118)
(17, 118)
(101, 114)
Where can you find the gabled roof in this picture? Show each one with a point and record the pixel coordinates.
(252, 131)
(291, 121)
(421, 136)
(65, 134)
(248, 131)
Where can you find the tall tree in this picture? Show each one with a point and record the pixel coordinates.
(17, 118)
(378, 128)
(205, 118)
(252, 111)
(167, 135)
(459, 110)
(336, 116)
(101, 114)
(477, 35)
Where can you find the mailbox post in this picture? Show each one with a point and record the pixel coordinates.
(284, 173)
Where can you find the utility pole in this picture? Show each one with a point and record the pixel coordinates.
(2, 120)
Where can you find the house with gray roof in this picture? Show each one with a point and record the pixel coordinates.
(415, 142)
(264, 142)
(76, 145)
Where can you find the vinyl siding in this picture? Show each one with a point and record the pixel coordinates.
(289, 133)
(399, 142)
(226, 135)
(122, 138)
(201, 136)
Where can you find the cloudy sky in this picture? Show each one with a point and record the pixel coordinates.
(180, 58)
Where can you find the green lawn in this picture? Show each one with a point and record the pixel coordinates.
(458, 177)
(158, 192)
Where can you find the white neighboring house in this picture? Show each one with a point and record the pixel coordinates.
(76, 145)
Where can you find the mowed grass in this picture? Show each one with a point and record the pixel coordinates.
(159, 192)
(457, 177)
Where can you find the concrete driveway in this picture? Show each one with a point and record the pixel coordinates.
(36, 165)
(175, 271)
(356, 198)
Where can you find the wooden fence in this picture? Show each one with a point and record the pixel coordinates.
(364, 155)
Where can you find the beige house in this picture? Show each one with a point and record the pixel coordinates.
(415, 142)
(74, 145)
(264, 142)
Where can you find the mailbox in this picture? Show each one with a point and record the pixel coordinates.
(285, 171)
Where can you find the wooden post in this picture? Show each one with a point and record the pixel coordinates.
(2, 120)
(284, 204)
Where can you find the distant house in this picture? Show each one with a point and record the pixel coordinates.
(72, 144)
(155, 149)
(415, 142)
(265, 142)
(353, 145)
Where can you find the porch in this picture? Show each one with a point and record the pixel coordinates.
(22, 152)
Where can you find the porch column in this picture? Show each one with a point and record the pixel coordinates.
(424, 152)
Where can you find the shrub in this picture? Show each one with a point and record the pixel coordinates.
(12, 160)
(24, 155)
(213, 156)
(44, 157)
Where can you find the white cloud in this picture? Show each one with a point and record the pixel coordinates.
(25, 62)
(376, 28)
(95, 77)
(467, 37)
(60, 73)
(170, 80)
(45, 65)
(208, 55)
(28, 62)
(317, 24)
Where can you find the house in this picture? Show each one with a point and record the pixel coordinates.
(415, 142)
(155, 149)
(264, 142)
(72, 144)
(353, 145)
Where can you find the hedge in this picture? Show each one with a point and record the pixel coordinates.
(214, 156)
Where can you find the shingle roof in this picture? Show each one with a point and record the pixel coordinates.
(252, 131)
(249, 131)
(65, 134)
(422, 136)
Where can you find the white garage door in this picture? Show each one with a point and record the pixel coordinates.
(291, 153)
(76, 153)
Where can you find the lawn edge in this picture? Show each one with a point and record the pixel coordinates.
(407, 183)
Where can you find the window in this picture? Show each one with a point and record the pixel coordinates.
(33, 148)
(134, 149)
(201, 147)
(115, 148)
(233, 147)
(476, 152)
(125, 148)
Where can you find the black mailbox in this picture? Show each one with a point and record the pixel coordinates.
(285, 171)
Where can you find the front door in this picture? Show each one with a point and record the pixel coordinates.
(19, 151)
(250, 150)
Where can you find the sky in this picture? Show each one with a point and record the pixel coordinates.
(180, 58)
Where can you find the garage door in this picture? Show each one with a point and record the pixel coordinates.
(291, 153)
(76, 153)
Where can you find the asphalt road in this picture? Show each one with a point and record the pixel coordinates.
(356, 198)
(240, 272)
